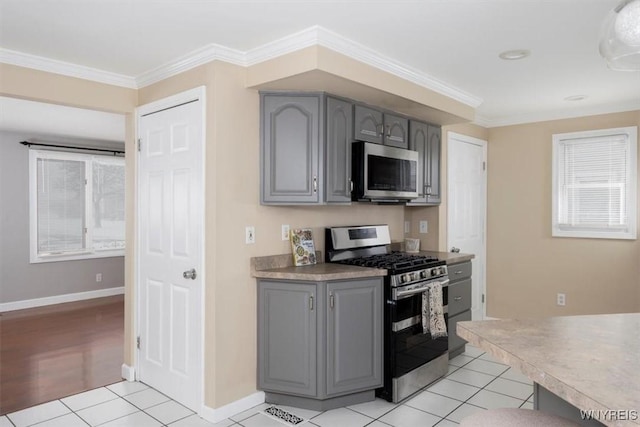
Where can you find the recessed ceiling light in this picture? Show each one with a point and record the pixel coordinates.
(511, 55)
(576, 98)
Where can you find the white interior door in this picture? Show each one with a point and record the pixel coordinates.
(467, 209)
(170, 203)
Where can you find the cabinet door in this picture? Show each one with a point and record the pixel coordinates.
(455, 342)
(433, 186)
(368, 125)
(396, 131)
(290, 149)
(354, 335)
(459, 295)
(418, 141)
(287, 346)
(338, 150)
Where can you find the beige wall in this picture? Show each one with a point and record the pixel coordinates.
(526, 267)
(232, 202)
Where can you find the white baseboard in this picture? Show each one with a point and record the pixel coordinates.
(128, 372)
(59, 299)
(233, 408)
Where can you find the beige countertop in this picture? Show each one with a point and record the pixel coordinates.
(281, 267)
(592, 362)
(449, 257)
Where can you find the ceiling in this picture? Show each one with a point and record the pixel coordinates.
(450, 44)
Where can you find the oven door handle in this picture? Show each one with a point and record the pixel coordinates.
(404, 294)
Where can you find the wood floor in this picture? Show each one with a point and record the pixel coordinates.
(51, 352)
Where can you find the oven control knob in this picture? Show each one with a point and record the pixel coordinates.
(434, 272)
(404, 278)
(423, 274)
(414, 276)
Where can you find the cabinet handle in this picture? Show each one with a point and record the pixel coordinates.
(315, 184)
(351, 184)
(381, 130)
(311, 303)
(331, 301)
(457, 298)
(388, 131)
(458, 272)
(428, 190)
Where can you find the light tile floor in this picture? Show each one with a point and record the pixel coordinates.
(475, 382)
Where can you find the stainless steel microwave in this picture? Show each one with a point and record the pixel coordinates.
(382, 173)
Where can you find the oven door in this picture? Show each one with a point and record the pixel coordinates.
(410, 346)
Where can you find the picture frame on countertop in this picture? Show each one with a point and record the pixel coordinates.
(302, 247)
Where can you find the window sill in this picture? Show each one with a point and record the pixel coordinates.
(77, 256)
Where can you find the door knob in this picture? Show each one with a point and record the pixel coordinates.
(190, 274)
(455, 250)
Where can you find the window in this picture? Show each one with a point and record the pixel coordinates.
(594, 184)
(77, 206)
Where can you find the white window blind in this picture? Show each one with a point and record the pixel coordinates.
(594, 177)
(77, 206)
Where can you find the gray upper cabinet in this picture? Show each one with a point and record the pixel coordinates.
(373, 125)
(354, 341)
(368, 125)
(290, 148)
(319, 340)
(396, 131)
(338, 136)
(425, 139)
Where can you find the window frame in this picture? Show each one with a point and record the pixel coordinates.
(88, 252)
(628, 232)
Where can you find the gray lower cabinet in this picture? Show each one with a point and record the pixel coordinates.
(373, 125)
(338, 136)
(458, 303)
(426, 140)
(290, 148)
(320, 343)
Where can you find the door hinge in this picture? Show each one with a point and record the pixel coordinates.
(138, 342)
(483, 298)
(139, 144)
(484, 166)
(85, 230)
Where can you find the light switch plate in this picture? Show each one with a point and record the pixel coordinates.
(285, 231)
(424, 227)
(250, 234)
(407, 226)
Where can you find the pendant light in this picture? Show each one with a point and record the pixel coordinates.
(620, 37)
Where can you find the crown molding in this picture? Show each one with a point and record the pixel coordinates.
(547, 116)
(212, 52)
(65, 68)
(312, 36)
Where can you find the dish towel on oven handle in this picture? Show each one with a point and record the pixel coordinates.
(432, 311)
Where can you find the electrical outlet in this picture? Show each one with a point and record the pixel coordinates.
(424, 227)
(285, 231)
(561, 300)
(407, 227)
(99, 277)
(250, 234)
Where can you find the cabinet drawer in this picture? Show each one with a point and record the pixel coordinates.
(459, 271)
(455, 341)
(459, 298)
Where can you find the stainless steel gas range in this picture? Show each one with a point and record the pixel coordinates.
(412, 358)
